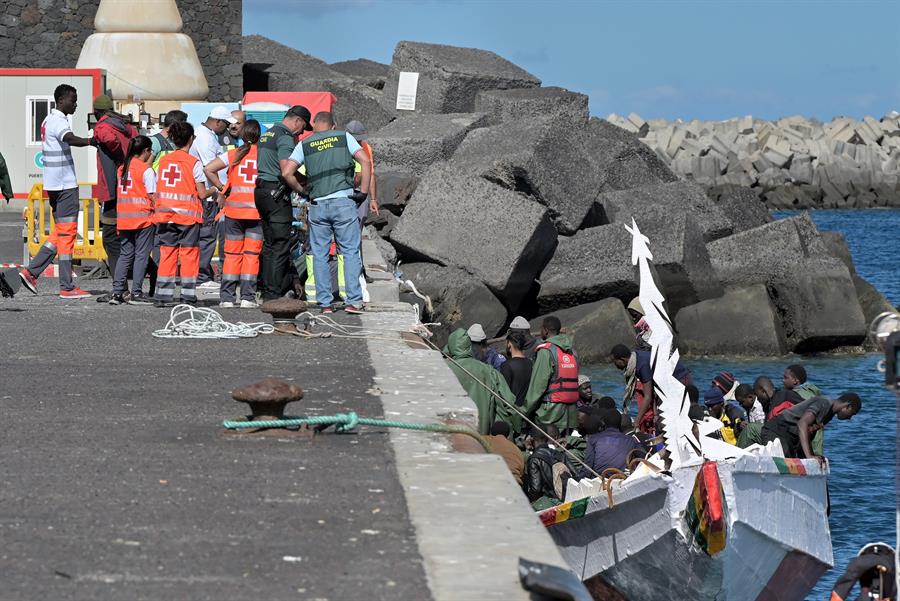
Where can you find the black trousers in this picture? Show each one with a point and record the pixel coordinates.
(112, 245)
(275, 259)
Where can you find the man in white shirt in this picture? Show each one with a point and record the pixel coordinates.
(61, 186)
(207, 148)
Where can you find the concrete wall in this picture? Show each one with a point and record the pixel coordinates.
(50, 33)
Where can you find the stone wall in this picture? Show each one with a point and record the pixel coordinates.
(50, 33)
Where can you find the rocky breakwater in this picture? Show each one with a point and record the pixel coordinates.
(791, 163)
(502, 197)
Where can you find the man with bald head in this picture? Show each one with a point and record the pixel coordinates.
(231, 137)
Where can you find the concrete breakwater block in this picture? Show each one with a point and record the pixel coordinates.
(533, 103)
(596, 328)
(450, 77)
(741, 322)
(812, 291)
(591, 265)
(459, 299)
(661, 201)
(414, 142)
(395, 188)
(742, 207)
(364, 71)
(545, 159)
(502, 237)
(620, 159)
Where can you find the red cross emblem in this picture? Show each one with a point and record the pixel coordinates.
(126, 184)
(172, 174)
(247, 171)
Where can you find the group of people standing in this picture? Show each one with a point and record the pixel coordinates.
(167, 200)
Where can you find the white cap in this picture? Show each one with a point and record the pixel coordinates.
(583, 379)
(476, 333)
(519, 323)
(220, 112)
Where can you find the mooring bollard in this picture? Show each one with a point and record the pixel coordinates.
(267, 398)
(284, 311)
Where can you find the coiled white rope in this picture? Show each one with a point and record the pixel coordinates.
(186, 321)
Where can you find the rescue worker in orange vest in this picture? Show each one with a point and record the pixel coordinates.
(136, 189)
(179, 212)
(553, 391)
(243, 230)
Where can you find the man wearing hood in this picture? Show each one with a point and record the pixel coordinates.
(481, 382)
(553, 391)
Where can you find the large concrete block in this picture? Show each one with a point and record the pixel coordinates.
(289, 70)
(741, 322)
(621, 161)
(500, 236)
(591, 265)
(394, 188)
(544, 159)
(661, 201)
(450, 77)
(364, 71)
(533, 103)
(596, 328)
(414, 142)
(459, 299)
(742, 206)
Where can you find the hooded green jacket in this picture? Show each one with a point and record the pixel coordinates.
(564, 416)
(459, 347)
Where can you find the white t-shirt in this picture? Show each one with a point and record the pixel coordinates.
(206, 147)
(59, 167)
(150, 181)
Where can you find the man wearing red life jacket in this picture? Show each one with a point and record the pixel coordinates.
(179, 193)
(137, 230)
(243, 230)
(553, 391)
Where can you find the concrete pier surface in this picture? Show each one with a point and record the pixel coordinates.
(119, 482)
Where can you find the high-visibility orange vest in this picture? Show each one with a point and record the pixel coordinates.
(176, 190)
(134, 209)
(240, 203)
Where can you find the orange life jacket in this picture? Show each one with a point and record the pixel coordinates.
(240, 203)
(176, 191)
(134, 210)
(563, 387)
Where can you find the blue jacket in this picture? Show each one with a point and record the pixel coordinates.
(608, 448)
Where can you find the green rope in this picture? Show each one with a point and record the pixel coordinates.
(344, 422)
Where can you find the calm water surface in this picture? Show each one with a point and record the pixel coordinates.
(861, 451)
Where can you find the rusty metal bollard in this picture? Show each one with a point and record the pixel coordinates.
(267, 398)
(284, 311)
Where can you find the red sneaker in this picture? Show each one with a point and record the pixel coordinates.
(28, 280)
(353, 310)
(75, 292)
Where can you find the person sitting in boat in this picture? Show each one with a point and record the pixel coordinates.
(796, 426)
(794, 378)
(507, 449)
(745, 396)
(639, 383)
(873, 568)
(731, 417)
(607, 446)
(641, 327)
(586, 396)
(553, 391)
(548, 468)
(481, 350)
(771, 398)
(520, 325)
(481, 382)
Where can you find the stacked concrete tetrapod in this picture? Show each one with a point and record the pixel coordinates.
(790, 163)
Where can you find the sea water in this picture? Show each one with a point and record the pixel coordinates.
(861, 451)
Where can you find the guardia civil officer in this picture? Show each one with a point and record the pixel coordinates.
(274, 149)
(329, 158)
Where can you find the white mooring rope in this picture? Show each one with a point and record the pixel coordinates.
(186, 321)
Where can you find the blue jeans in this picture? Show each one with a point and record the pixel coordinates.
(337, 217)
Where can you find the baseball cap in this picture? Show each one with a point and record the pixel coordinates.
(103, 103)
(583, 379)
(223, 114)
(519, 323)
(713, 396)
(357, 129)
(476, 333)
(298, 110)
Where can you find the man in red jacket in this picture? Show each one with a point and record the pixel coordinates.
(112, 134)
